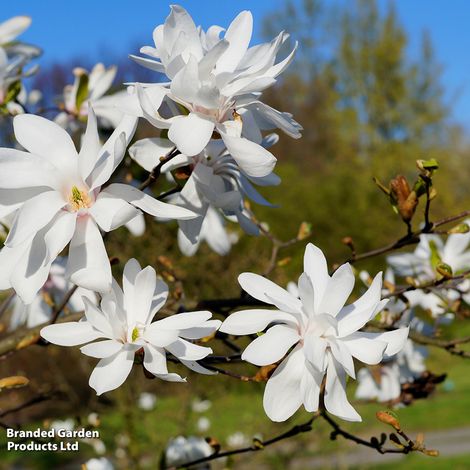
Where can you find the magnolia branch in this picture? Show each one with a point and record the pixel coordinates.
(255, 447)
(155, 173)
(409, 239)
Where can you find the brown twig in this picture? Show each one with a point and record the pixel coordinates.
(255, 447)
(155, 173)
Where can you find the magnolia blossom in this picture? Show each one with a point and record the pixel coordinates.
(10, 30)
(57, 193)
(182, 450)
(147, 401)
(98, 464)
(124, 323)
(218, 82)
(90, 87)
(55, 288)
(215, 187)
(203, 424)
(384, 383)
(317, 332)
(431, 249)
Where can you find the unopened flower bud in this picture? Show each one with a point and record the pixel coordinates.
(388, 418)
(15, 381)
(461, 228)
(444, 270)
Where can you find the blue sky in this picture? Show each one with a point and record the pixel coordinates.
(94, 28)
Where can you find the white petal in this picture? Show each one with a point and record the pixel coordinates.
(282, 395)
(248, 322)
(155, 360)
(238, 36)
(354, 316)
(97, 318)
(253, 159)
(183, 349)
(102, 349)
(91, 146)
(35, 214)
(336, 401)
(160, 337)
(271, 346)
(196, 367)
(394, 340)
(267, 291)
(12, 28)
(70, 333)
(181, 321)
(88, 264)
(191, 133)
(337, 291)
(111, 372)
(111, 212)
(367, 349)
(145, 283)
(46, 139)
(147, 203)
(24, 170)
(316, 268)
(198, 332)
(310, 387)
(147, 152)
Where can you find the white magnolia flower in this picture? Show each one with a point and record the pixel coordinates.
(384, 384)
(218, 82)
(59, 198)
(90, 87)
(455, 252)
(200, 406)
(215, 187)
(203, 424)
(319, 334)
(54, 290)
(10, 30)
(182, 450)
(238, 439)
(124, 322)
(147, 401)
(98, 464)
(66, 425)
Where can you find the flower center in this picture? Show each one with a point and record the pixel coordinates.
(79, 199)
(135, 333)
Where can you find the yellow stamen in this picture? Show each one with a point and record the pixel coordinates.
(135, 334)
(79, 199)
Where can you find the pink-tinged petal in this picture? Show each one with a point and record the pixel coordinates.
(252, 158)
(91, 146)
(47, 139)
(70, 333)
(111, 212)
(183, 349)
(271, 346)
(35, 214)
(102, 349)
(282, 395)
(24, 170)
(111, 372)
(267, 291)
(147, 203)
(336, 400)
(191, 133)
(317, 270)
(366, 349)
(155, 360)
(248, 322)
(337, 291)
(88, 264)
